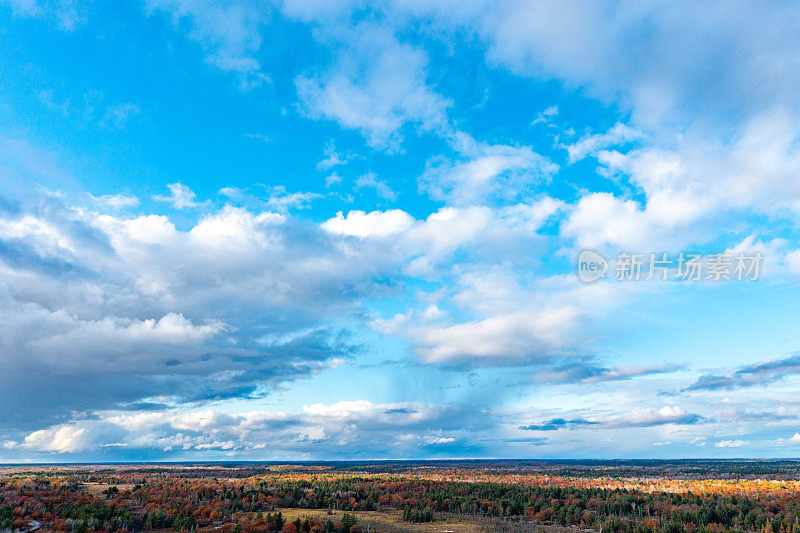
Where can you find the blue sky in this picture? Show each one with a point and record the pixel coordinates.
(345, 230)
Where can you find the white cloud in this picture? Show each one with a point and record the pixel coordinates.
(732, 443)
(92, 107)
(373, 224)
(371, 181)
(282, 202)
(67, 14)
(693, 186)
(435, 441)
(65, 438)
(119, 115)
(110, 335)
(377, 85)
(116, 201)
(602, 219)
(425, 244)
(233, 228)
(484, 171)
(497, 340)
(332, 179)
(793, 440)
(591, 144)
(24, 7)
(445, 230)
(665, 415)
(258, 137)
(238, 302)
(339, 409)
(180, 196)
(546, 116)
(332, 158)
(229, 33)
(330, 430)
(725, 59)
(793, 260)
(755, 169)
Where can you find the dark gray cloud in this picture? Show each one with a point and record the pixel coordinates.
(587, 370)
(92, 370)
(750, 375)
(18, 254)
(681, 419)
(103, 312)
(558, 423)
(401, 410)
(639, 418)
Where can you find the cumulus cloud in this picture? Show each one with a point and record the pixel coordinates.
(108, 314)
(665, 415)
(794, 440)
(752, 169)
(601, 220)
(332, 430)
(514, 337)
(65, 438)
(376, 223)
(424, 244)
(231, 306)
(513, 325)
(688, 172)
(691, 184)
(106, 310)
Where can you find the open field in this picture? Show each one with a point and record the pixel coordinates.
(384, 520)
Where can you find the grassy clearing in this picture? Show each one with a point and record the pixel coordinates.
(390, 521)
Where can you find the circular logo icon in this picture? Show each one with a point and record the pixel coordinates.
(591, 266)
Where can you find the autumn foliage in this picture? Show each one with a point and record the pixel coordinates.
(250, 498)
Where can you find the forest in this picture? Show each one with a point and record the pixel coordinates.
(623, 497)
